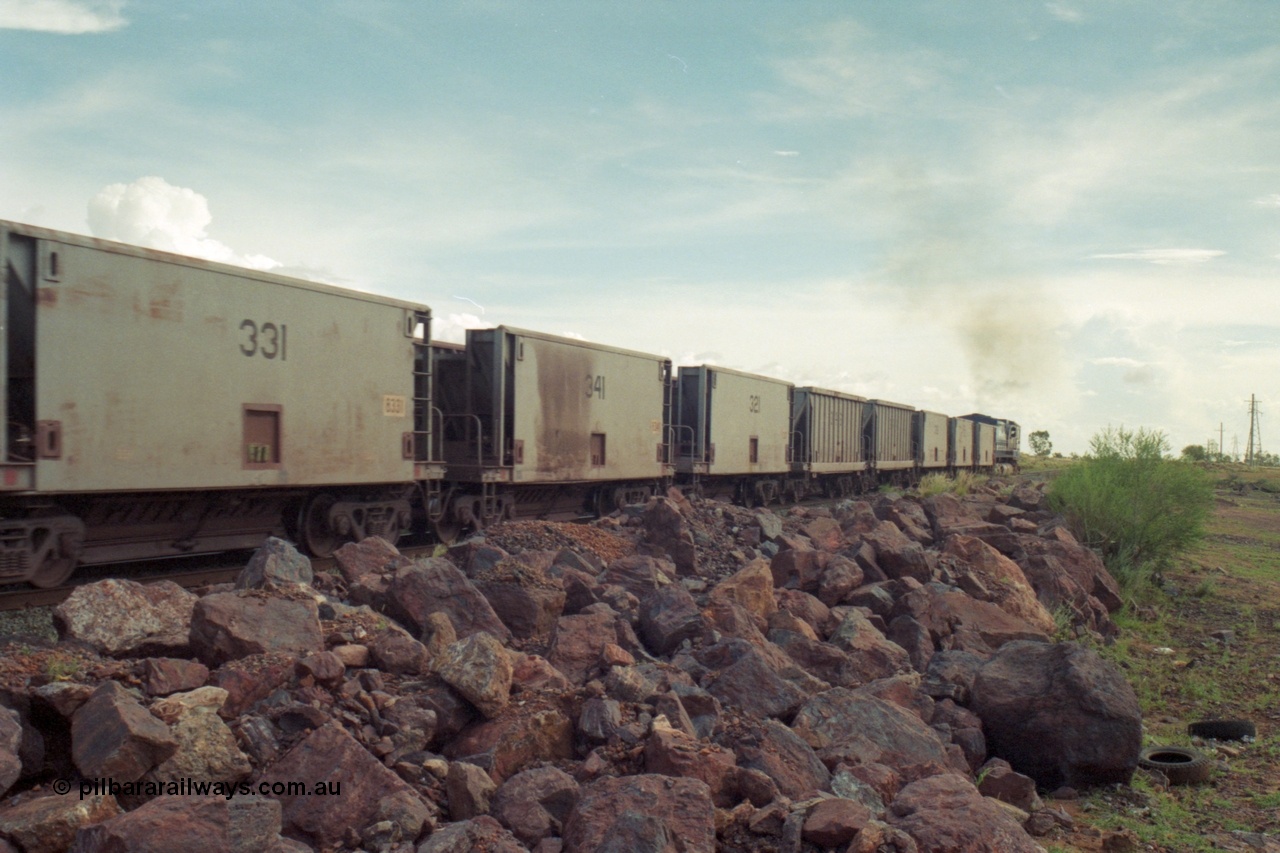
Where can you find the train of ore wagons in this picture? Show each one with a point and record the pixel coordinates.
(159, 405)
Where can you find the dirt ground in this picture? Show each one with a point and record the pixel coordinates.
(1202, 645)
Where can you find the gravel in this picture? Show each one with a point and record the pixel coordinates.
(31, 622)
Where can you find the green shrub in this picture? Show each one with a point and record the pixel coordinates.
(1132, 503)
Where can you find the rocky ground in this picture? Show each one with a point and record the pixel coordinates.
(884, 675)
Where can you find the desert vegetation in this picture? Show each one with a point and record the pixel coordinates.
(1133, 503)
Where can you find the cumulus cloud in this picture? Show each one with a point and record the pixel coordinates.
(66, 17)
(152, 213)
(1063, 12)
(1135, 372)
(1163, 256)
(452, 328)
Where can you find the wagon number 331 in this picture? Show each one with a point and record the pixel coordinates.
(267, 340)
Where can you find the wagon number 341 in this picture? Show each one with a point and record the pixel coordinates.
(595, 386)
(267, 340)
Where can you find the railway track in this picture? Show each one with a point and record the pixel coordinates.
(20, 598)
(189, 573)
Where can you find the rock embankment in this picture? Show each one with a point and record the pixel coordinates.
(685, 676)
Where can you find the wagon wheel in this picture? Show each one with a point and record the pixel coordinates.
(54, 570)
(317, 537)
(447, 530)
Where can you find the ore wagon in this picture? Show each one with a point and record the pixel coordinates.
(159, 405)
(733, 430)
(551, 427)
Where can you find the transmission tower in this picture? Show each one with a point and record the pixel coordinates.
(1254, 449)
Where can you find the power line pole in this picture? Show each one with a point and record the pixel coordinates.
(1255, 433)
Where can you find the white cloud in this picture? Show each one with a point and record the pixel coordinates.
(1063, 12)
(1117, 361)
(66, 17)
(1164, 256)
(152, 213)
(453, 327)
(1272, 200)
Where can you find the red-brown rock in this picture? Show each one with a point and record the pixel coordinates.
(535, 803)
(230, 625)
(833, 822)
(672, 753)
(481, 833)
(113, 736)
(361, 785)
(1001, 578)
(437, 586)
(846, 725)
(162, 676)
(775, 750)
(668, 617)
(1059, 714)
(751, 587)
(645, 812)
(241, 825)
(581, 638)
(506, 745)
(945, 812)
(123, 618)
(48, 824)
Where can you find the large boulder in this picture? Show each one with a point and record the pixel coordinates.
(241, 825)
(112, 735)
(230, 625)
(581, 638)
(126, 618)
(346, 789)
(673, 753)
(1059, 713)
(275, 563)
(642, 813)
(986, 574)
(48, 824)
(479, 668)
(1065, 573)
(532, 734)
(207, 749)
(851, 726)
(945, 812)
(666, 531)
(535, 803)
(758, 681)
(898, 555)
(775, 750)
(668, 617)
(956, 620)
(438, 586)
(522, 595)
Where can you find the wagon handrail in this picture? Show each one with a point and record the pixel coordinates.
(479, 440)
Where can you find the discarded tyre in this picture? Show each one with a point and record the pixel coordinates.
(1180, 765)
(1223, 729)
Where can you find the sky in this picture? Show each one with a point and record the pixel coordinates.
(1066, 213)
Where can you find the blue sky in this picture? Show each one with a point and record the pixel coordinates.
(1066, 212)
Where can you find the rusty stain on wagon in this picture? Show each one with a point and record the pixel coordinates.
(561, 375)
